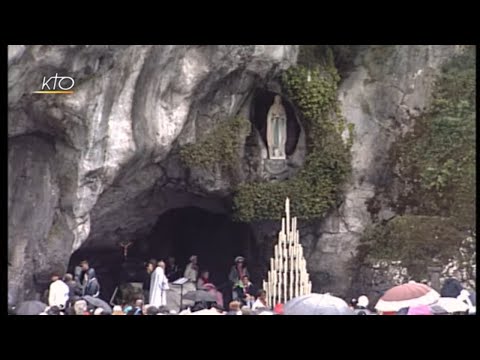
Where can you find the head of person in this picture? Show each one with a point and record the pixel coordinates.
(205, 275)
(80, 307)
(117, 310)
(161, 264)
(240, 261)
(53, 310)
(84, 265)
(151, 264)
(139, 303)
(98, 311)
(245, 280)
(171, 261)
(68, 277)
(262, 294)
(152, 310)
(353, 303)
(55, 276)
(194, 259)
(234, 306)
(363, 301)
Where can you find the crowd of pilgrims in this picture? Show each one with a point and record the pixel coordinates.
(79, 294)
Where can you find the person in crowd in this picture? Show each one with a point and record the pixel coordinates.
(205, 284)
(159, 286)
(245, 291)
(353, 304)
(451, 288)
(203, 279)
(117, 310)
(191, 271)
(261, 302)
(172, 270)
(138, 307)
(98, 311)
(362, 304)
(234, 308)
(149, 268)
(54, 310)
(80, 307)
(152, 310)
(236, 274)
(58, 291)
(74, 287)
(90, 284)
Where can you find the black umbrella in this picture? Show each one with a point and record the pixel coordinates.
(32, 307)
(99, 303)
(199, 296)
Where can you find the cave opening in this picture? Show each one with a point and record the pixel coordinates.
(262, 101)
(180, 233)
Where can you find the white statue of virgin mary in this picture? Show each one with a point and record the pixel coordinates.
(276, 130)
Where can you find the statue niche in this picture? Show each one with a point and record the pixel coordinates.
(277, 130)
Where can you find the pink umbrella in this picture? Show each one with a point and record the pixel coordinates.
(407, 295)
(419, 310)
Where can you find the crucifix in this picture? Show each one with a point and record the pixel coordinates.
(125, 244)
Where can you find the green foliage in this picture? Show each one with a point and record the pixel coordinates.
(317, 185)
(436, 163)
(220, 147)
(413, 239)
(437, 160)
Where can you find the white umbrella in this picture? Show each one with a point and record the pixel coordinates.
(206, 312)
(317, 304)
(452, 305)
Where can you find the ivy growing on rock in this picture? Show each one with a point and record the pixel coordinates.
(436, 167)
(317, 186)
(219, 147)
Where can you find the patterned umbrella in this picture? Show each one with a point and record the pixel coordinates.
(406, 295)
(317, 304)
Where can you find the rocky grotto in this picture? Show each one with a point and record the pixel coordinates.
(166, 148)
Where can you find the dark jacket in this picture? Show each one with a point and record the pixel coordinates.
(242, 292)
(75, 289)
(451, 288)
(146, 281)
(91, 286)
(172, 272)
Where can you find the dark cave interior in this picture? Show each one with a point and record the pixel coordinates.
(180, 232)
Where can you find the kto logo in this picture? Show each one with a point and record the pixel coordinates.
(57, 85)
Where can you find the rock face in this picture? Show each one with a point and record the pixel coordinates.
(388, 85)
(106, 169)
(102, 164)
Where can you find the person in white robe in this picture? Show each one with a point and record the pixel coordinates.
(159, 286)
(58, 292)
